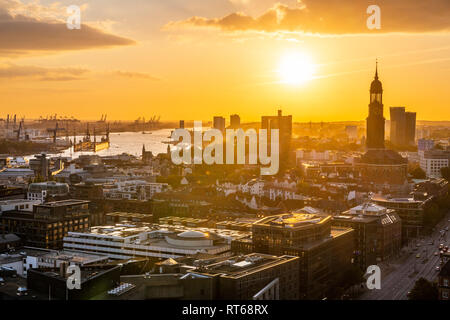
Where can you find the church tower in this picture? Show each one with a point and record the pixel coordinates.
(375, 120)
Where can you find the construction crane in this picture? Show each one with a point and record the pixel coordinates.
(55, 131)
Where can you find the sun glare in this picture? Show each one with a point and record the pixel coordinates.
(296, 69)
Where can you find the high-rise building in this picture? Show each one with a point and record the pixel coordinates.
(403, 127)
(398, 125)
(410, 129)
(284, 125)
(219, 123)
(375, 120)
(235, 121)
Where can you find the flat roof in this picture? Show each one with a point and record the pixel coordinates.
(293, 220)
(238, 266)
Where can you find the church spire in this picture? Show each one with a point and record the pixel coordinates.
(376, 69)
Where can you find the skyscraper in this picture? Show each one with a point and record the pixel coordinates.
(375, 120)
(398, 125)
(403, 127)
(410, 129)
(235, 121)
(284, 125)
(219, 123)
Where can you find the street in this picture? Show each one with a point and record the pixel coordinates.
(399, 276)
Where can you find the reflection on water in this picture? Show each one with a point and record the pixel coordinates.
(128, 142)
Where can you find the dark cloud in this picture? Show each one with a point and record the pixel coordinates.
(336, 17)
(13, 71)
(21, 34)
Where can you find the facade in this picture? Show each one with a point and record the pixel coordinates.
(377, 233)
(432, 161)
(18, 204)
(26, 258)
(425, 144)
(324, 250)
(133, 190)
(124, 241)
(410, 210)
(47, 225)
(40, 191)
(242, 277)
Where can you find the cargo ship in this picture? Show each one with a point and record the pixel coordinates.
(93, 146)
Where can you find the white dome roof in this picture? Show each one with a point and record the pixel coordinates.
(192, 234)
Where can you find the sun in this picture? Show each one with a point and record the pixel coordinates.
(296, 69)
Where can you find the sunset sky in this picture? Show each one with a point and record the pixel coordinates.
(193, 59)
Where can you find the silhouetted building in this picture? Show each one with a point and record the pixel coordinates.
(235, 121)
(379, 167)
(219, 123)
(375, 120)
(403, 127)
(284, 125)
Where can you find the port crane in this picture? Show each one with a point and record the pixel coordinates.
(55, 131)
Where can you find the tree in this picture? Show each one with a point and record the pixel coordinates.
(445, 172)
(418, 173)
(424, 290)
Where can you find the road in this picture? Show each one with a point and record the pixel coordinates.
(398, 277)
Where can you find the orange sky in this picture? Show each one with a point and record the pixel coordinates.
(144, 58)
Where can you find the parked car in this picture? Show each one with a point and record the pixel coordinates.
(418, 255)
(436, 253)
(438, 268)
(2, 281)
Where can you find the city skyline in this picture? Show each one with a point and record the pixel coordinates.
(179, 60)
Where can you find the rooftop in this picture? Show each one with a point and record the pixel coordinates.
(239, 266)
(293, 220)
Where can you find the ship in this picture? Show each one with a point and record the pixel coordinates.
(93, 146)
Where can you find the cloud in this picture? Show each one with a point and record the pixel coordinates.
(135, 75)
(334, 17)
(27, 28)
(13, 71)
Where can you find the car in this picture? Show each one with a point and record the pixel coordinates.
(441, 246)
(436, 253)
(2, 281)
(446, 228)
(418, 255)
(22, 291)
(438, 268)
